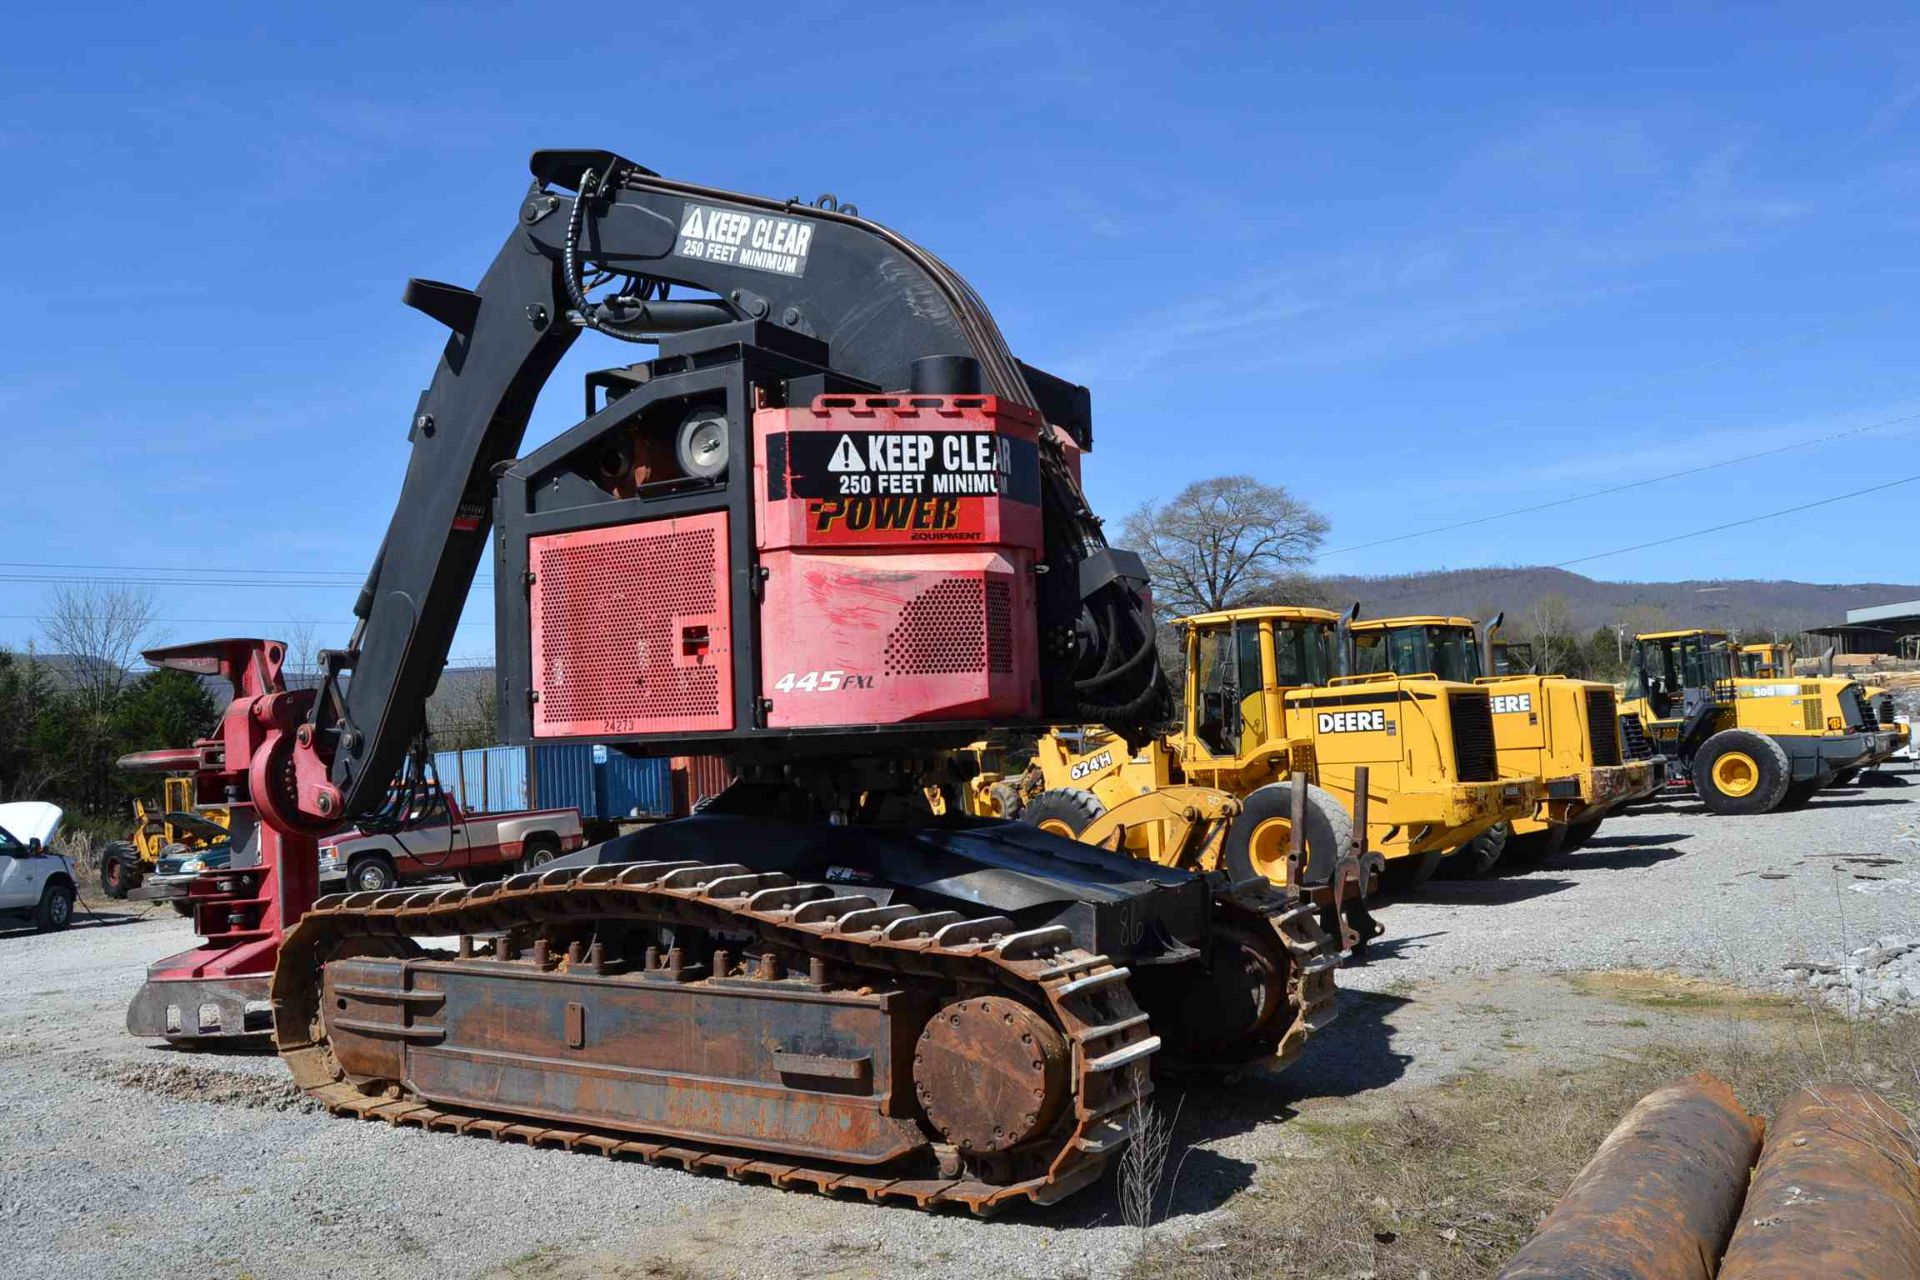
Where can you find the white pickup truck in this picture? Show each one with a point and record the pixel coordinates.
(439, 839)
(36, 884)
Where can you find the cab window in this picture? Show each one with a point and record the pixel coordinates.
(1247, 649)
(1457, 656)
(1215, 678)
(1369, 653)
(9, 845)
(1301, 653)
(1407, 652)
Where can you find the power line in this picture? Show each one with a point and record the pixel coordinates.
(142, 580)
(165, 568)
(1497, 575)
(237, 622)
(1622, 488)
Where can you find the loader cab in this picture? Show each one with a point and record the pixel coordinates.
(1241, 662)
(1513, 658)
(1765, 661)
(1673, 670)
(1448, 648)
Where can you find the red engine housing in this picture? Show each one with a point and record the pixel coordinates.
(894, 545)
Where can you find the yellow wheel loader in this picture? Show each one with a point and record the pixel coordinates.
(1745, 745)
(172, 823)
(1775, 660)
(1560, 733)
(1261, 705)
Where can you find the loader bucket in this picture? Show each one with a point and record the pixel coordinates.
(1659, 1198)
(1836, 1195)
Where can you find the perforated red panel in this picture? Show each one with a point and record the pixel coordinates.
(631, 629)
(960, 625)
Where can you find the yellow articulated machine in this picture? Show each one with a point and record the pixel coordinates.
(1771, 661)
(173, 823)
(1746, 744)
(1561, 733)
(1262, 704)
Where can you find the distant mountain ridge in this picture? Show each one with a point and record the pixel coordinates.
(1734, 604)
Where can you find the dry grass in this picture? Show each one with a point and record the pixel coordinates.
(1444, 1183)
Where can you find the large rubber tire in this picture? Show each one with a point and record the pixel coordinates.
(1063, 811)
(1739, 771)
(55, 911)
(1579, 833)
(1845, 777)
(1402, 874)
(1798, 793)
(1478, 856)
(120, 871)
(1257, 843)
(1532, 846)
(371, 872)
(538, 851)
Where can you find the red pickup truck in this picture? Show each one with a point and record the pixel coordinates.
(441, 840)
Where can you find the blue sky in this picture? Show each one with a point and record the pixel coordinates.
(1345, 254)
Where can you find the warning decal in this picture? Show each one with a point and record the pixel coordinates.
(765, 242)
(910, 464)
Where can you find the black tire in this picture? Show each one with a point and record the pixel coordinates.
(1739, 771)
(1063, 811)
(1798, 793)
(371, 872)
(120, 871)
(182, 907)
(1846, 777)
(1532, 846)
(1256, 844)
(1579, 833)
(1478, 856)
(55, 911)
(1007, 796)
(1402, 874)
(537, 851)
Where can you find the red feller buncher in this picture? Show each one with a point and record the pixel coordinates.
(833, 530)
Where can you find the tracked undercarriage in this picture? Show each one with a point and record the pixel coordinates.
(744, 1022)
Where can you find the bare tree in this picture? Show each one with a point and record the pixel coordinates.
(465, 710)
(302, 664)
(1226, 541)
(1550, 623)
(99, 631)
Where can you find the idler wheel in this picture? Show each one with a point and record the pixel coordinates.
(990, 1073)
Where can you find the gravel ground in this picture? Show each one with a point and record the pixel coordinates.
(124, 1159)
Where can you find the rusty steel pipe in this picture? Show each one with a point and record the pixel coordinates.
(1836, 1195)
(1659, 1198)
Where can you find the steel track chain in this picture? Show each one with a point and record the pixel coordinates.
(1086, 994)
(1313, 954)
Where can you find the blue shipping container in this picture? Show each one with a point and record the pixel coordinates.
(563, 777)
(633, 787)
(484, 779)
(601, 783)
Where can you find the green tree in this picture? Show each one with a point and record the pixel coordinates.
(26, 695)
(1603, 661)
(163, 709)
